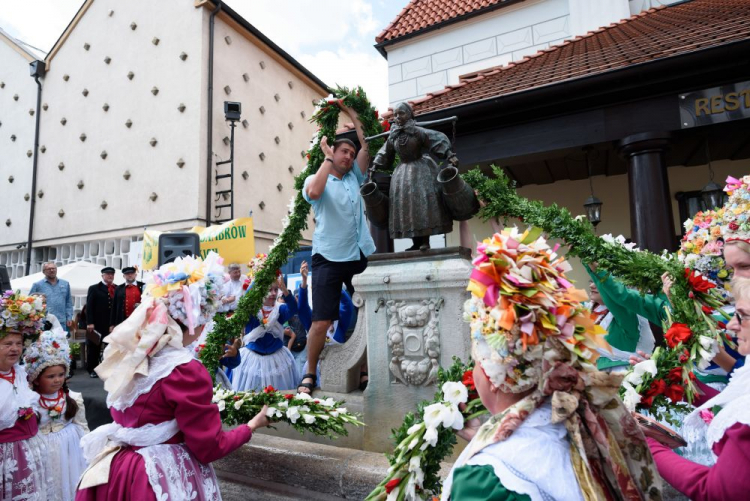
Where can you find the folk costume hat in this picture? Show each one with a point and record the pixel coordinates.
(50, 350)
(702, 247)
(186, 291)
(736, 212)
(22, 314)
(531, 332)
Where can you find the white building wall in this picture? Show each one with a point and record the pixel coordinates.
(430, 62)
(175, 167)
(427, 63)
(16, 145)
(267, 148)
(123, 33)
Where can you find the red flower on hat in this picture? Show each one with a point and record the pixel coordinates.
(734, 226)
(677, 333)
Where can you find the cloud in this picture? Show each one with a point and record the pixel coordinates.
(37, 22)
(352, 68)
(304, 25)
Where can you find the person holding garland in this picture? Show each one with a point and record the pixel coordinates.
(166, 429)
(558, 429)
(62, 421)
(23, 461)
(724, 418)
(266, 361)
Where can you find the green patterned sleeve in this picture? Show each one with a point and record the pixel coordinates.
(479, 483)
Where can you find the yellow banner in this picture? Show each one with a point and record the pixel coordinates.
(233, 240)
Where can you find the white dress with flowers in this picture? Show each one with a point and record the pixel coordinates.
(23, 459)
(62, 438)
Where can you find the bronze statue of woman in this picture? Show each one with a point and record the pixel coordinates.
(417, 209)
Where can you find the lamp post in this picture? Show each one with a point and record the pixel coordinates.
(712, 194)
(232, 113)
(592, 204)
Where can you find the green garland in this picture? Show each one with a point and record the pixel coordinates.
(640, 269)
(287, 242)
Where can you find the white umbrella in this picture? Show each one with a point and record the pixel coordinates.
(80, 275)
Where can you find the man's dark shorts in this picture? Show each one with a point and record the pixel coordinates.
(328, 277)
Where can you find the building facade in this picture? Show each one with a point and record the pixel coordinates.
(125, 128)
(433, 44)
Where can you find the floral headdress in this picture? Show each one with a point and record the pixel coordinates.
(191, 287)
(49, 350)
(702, 247)
(530, 332)
(22, 314)
(254, 266)
(520, 300)
(736, 212)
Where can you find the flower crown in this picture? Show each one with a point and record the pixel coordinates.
(520, 300)
(49, 350)
(702, 247)
(736, 212)
(191, 286)
(22, 314)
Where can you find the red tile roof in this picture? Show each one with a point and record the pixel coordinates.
(651, 35)
(420, 15)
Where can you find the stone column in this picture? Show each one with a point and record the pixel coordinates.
(651, 222)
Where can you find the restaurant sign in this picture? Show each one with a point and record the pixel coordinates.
(715, 105)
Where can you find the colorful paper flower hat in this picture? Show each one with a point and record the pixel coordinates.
(736, 212)
(521, 304)
(702, 247)
(191, 286)
(49, 350)
(256, 264)
(21, 314)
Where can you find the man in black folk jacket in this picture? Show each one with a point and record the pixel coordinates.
(127, 297)
(99, 317)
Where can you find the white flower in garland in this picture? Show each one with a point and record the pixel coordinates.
(293, 414)
(636, 377)
(455, 392)
(430, 438)
(238, 404)
(631, 398)
(222, 405)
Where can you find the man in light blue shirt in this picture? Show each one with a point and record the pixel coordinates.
(57, 293)
(341, 241)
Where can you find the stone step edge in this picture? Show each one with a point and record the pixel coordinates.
(319, 471)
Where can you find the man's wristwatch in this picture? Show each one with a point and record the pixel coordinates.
(328, 160)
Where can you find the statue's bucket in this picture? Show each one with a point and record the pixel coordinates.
(376, 203)
(458, 196)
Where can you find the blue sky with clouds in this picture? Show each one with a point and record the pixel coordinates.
(333, 38)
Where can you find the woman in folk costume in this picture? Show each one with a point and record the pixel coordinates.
(166, 430)
(558, 429)
(724, 418)
(265, 359)
(23, 460)
(62, 421)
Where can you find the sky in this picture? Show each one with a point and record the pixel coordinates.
(332, 38)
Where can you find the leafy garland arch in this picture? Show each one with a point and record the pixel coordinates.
(327, 117)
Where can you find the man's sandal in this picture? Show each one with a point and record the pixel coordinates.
(309, 386)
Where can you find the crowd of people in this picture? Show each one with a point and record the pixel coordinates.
(557, 429)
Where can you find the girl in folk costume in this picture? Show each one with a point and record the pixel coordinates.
(166, 430)
(62, 420)
(265, 359)
(724, 419)
(23, 460)
(558, 429)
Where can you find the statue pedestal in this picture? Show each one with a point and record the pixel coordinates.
(410, 323)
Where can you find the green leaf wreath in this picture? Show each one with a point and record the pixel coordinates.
(692, 328)
(326, 117)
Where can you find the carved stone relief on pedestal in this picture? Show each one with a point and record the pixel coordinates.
(414, 340)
